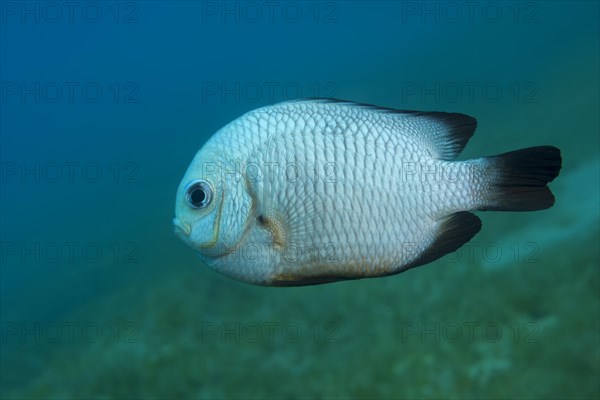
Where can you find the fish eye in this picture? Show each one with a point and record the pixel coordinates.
(198, 193)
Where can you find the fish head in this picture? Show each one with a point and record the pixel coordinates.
(213, 207)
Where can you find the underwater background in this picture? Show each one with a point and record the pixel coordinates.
(104, 104)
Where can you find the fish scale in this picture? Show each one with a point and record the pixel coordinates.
(387, 208)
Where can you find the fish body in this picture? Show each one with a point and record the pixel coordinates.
(315, 191)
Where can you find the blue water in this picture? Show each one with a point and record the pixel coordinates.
(103, 105)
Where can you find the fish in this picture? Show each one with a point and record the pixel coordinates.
(314, 191)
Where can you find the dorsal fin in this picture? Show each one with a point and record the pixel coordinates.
(445, 133)
(448, 133)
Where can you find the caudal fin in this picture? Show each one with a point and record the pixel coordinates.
(517, 180)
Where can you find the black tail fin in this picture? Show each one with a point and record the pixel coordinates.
(517, 179)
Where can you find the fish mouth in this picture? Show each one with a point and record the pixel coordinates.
(182, 229)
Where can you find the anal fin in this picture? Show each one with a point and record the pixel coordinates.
(453, 232)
